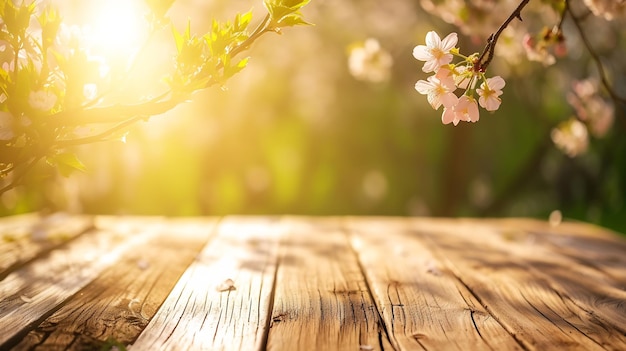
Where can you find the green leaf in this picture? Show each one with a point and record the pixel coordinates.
(230, 71)
(182, 39)
(243, 63)
(279, 9)
(242, 21)
(66, 163)
(293, 20)
(49, 20)
(16, 19)
(178, 39)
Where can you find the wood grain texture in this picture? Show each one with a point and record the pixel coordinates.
(32, 292)
(587, 244)
(201, 313)
(322, 301)
(24, 237)
(424, 306)
(310, 283)
(595, 298)
(521, 298)
(119, 303)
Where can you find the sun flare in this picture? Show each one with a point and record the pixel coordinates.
(116, 27)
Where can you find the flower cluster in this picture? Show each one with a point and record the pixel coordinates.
(448, 77)
(542, 46)
(571, 137)
(369, 62)
(609, 9)
(473, 17)
(591, 108)
(594, 118)
(44, 66)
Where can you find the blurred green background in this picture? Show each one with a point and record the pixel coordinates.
(296, 133)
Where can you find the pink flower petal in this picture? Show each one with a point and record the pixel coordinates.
(421, 53)
(432, 39)
(449, 100)
(472, 112)
(449, 42)
(423, 87)
(448, 116)
(496, 83)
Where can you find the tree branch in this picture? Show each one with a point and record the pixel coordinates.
(103, 136)
(18, 178)
(115, 113)
(486, 56)
(258, 31)
(594, 55)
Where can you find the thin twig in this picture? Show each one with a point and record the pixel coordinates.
(103, 136)
(258, 31)
(562, 19)
(16, 181)
(594, 55)
(125, 115)
(114, 113)
(154, 106)
(486, 56)
(151, 108)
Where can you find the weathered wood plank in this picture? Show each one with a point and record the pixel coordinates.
(322, 301)
(205, 312)
(119, 303)
(587, 244)
(12, 227)
(595, 298)
(24, 237)
(602, 253)
(521, 298)
(568, 258)
(424, 306)
(32, 292)
(438, 284)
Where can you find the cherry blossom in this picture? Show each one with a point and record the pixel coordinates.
(436, 52)
(42, 100)
(370, 62)
(436, 93)
(448, 116)
(467, 109)
(571, 137)
(446, 77)
(591, 107)
(537, 53)
(609, 9)
(490, 92)
(462, 77)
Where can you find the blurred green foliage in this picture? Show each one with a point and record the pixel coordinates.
(295, 133)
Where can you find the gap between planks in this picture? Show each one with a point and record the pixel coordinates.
(544, 298)
(423, 305)
(222, 301)
(392, 283)
(322, 301)
(118, 304)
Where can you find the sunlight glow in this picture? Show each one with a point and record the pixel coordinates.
(116, 27)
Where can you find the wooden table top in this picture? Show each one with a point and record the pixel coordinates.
(309, 283)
